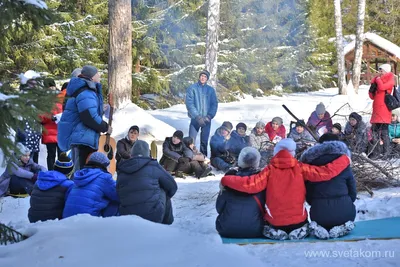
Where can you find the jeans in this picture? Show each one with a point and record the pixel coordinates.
(20, 185)
(204, 135)
(80, 155)
(52, 149)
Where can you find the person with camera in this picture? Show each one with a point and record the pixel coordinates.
(381, 115)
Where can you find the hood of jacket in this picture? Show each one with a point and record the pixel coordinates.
(76, 83)
(134, 164)
(86, 176)
(335, 148)
(50, 179)
(283, 160)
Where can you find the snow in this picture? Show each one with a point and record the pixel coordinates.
(378, 41)
(192, 239)
(37, 3)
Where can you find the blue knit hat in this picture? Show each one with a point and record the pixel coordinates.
(286, 144)
(98, 159)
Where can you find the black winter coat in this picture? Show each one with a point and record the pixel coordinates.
(172, 151)
(140, 185)
(48, 196)
(124, 147)
(332, 201)
(239, 214)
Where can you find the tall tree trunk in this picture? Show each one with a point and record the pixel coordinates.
(358, 51)
(212, 40)
(339, 48)
(120, 54)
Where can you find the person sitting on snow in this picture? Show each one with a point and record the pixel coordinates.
(173, 159)
(220, 157)
(94, 191)
(144, 187)
(198, 163)
(21, 173)
(320, 120)
(275, 130)
(238, 140)
(259, 139)
(283, 181)
(240, 215)
(394, 133)
(332, 210)
(124, 145)
(337, 129)
(301, 136)
(51, 190)
(355, 133)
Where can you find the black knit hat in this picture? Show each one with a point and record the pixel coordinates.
(355, 116)
(64, 164)
(134, 127)
(328, 137)
(178, 134)
(205, 72)
(300, 123)
(241, 124)
(337, 126)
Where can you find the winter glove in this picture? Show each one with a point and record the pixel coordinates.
(34, 178)
(183, 160)
(231, 171)
(53, 118)
(200, 121)
(373, 88)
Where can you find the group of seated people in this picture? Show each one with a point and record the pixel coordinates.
(142, 188)
(270, 202)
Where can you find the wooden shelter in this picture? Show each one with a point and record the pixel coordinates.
(376, 51)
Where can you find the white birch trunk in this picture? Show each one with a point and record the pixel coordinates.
(120, 52)
(212, 41)
(339, 48)
(358, 50)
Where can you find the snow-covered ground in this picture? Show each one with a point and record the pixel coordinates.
(192, 239)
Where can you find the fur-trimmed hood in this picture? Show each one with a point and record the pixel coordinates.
(326, 148)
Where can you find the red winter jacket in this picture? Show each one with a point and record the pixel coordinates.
(281, 132)
(284, 180)
(49, 133)
(380, 112)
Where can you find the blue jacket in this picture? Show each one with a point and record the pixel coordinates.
(239, 214)
(201, 100)
(236, 143)
(141, 185)
(94, 189)
(218, 144)
(81, 121)
(332, 201)
(48, 196)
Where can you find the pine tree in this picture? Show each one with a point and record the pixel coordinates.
(10, 236)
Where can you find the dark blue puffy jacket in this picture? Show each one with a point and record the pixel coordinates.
(142, 185)
(240, 215)
(218, 144)
(48, 196)
(236, 143)
(332, 201)
(94, 189)
(81, 121)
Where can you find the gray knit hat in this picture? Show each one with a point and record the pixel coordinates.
(260, 124)
(249, 157)
(320, 109)
(140, 149)
(278, 120)
(89, 71)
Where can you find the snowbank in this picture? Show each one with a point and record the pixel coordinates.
(120, 241)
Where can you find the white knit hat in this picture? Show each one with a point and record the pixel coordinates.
(386, 67)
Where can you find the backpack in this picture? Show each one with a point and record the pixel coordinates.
(392, 101)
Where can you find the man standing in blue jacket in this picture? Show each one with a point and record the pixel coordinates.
(202, 105)
(81, 122)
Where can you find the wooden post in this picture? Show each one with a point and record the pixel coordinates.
(368, 58)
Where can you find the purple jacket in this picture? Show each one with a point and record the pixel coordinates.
(21, 170)
(326, 121)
